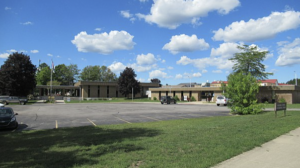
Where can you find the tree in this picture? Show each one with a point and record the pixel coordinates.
(97, 73)
(60, 74)
(43, 76)
(72, 73)
(249, 61)
(293, 82)
(155, 80)
(127, 81)
(242, 90)
(17, 75)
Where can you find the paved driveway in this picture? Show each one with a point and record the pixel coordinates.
(50, 116)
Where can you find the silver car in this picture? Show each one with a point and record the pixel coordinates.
(222, 100)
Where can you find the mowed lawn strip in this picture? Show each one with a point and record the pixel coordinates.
(200, 142)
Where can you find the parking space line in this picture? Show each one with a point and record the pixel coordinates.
(122, 119)
(56, 124)
(91, 122)
(150, 118)
(175, 116)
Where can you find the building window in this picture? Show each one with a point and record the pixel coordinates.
(117, 93)
(98, 91)
(89, 90)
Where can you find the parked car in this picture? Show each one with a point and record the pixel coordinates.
(12, 99)
(222, 100)
(167, 99)
(8, 118)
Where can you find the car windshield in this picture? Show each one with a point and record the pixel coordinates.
(220, 97)
(5, 112)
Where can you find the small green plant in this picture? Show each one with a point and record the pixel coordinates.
(193, 98)
(154, 98)
(282, 100)
(176, 98)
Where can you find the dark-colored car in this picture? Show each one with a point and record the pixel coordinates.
(12, 99)
(167, 99)
(8, 118)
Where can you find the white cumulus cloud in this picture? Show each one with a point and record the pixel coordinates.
(117, 67)
(158, 74)
(104, 43)
(34, 51)
(172, 13)
(289, 54)
(259, 29)
(185, 43)
(4, 55)
(197, 75)
(226, 50)
(146, 59)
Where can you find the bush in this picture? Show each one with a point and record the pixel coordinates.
(154, 98)
(282, 100)
(193, 98)
(176, 98)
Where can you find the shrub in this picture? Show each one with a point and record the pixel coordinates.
(193, 98)
(282, 100)
(176, 98)
(154, 98)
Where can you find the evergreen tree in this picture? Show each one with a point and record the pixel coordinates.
(127, 81)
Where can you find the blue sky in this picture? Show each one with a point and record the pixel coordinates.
(176, 41)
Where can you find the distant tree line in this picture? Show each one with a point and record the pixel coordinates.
(19, 77)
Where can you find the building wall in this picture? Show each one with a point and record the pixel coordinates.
(93, 91)
(287, 95)
(84, 91)
(112, 91)
(296, 97)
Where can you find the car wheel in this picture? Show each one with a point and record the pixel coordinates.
(161, 102)
(218, 104)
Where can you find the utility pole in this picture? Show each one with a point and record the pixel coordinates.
(296, 82)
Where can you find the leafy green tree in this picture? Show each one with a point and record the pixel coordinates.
(43, 76)
(97, 73)
(17, 75)
(60, 74)
(242, 90)
(72, 73)
(54, 83)
(293, 82)
(127, 81)
(249, 61)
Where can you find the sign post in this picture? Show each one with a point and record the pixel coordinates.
(280, 106)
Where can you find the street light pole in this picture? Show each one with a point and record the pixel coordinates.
(296, 79)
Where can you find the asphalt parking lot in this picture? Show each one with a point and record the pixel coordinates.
(54, 116)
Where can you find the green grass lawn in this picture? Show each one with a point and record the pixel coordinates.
(201, 142)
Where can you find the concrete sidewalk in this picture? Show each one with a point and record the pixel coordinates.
(282, 152)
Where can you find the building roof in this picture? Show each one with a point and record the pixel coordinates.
(268, 81)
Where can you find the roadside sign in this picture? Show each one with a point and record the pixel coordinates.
(279, 107)
(68, 99)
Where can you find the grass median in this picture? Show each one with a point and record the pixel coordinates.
(200, 142)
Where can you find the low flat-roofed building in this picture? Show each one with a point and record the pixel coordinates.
(290, 93)
(90, 89)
